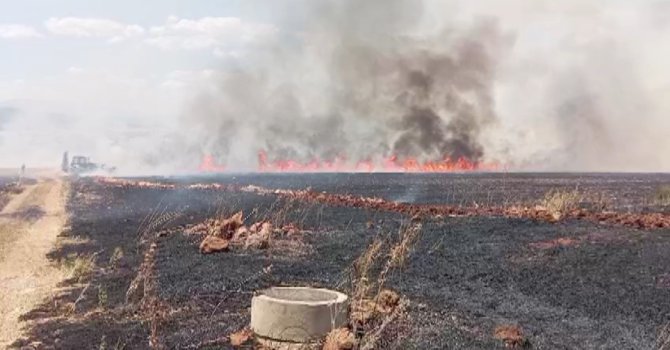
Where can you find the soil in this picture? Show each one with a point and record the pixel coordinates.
(29, 226)
(572, 284)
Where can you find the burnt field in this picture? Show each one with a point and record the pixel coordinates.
(569, 284)
(627, 192)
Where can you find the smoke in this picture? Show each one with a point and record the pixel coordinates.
(575, 85)
(606, 118)
(583, 88)
(6, 115)
(531, 84)
(358, 81)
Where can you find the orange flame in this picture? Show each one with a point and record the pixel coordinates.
(390, 164)
(209, 165)
(340, 164)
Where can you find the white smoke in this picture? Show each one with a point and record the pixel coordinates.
(584, 88)
(578, 85)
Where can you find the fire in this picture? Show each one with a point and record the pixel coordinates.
(209, 165)
(342, 164)
(390, 164)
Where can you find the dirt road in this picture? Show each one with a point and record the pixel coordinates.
(29, 228)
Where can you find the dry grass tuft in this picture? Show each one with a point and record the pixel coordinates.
(241, 337)
(600, 201)
(363, 311)
(103, 296)
(662, 195)
(362, 268)
(387, 301)
(558, 203)
(401, 250)
(340, 339)
(366, 310)
(80, 267)
(511, 335)
(373, 307)
(116, 257)
(373, 336)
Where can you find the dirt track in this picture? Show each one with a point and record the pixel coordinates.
(29, 227)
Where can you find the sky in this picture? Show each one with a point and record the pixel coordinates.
(116, 80)
(72, 69)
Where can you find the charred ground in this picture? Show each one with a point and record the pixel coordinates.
(571, 284)
(624, 192)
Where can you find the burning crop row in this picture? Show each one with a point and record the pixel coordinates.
(537, 212)
(122, 183)
(343, 164)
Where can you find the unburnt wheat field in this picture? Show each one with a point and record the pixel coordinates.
(471, 261)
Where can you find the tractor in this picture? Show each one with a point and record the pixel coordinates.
(83, 165)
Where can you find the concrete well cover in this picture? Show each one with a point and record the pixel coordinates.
(297, 314)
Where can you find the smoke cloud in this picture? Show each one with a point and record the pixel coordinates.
(360, 81)
(575, 85)
(6, 114)
(531, 84)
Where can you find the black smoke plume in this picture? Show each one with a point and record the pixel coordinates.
(357, 79)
